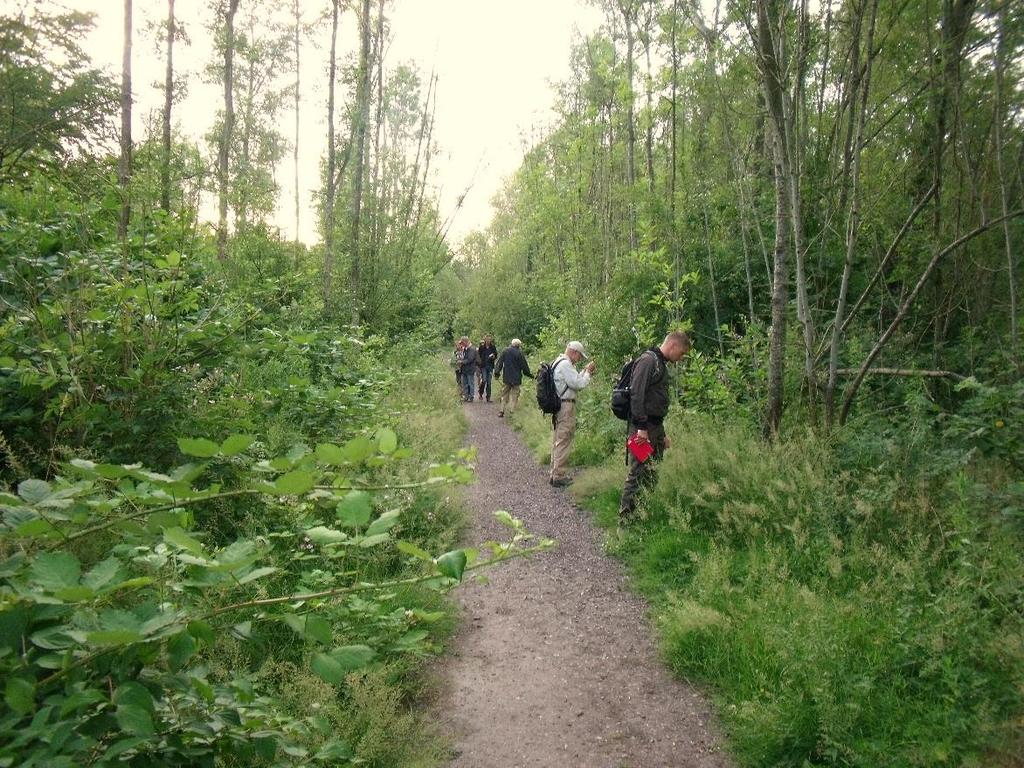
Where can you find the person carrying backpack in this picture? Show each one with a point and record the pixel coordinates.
(648, 406)
(511, 368)
(467, 368)
(568, 382)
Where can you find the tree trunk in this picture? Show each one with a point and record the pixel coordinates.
(862, 87)
(124, 167)
(226, 130)
(627, 14)
(777, 335)
(362, 117)
(165, 161)
(331, 187)
(295, 150)
(1011, 275)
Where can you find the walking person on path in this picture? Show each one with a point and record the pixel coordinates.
(458, 356)
(648, 406)
(568, 383)
(510, 369)
(488, 354)
(468, 369)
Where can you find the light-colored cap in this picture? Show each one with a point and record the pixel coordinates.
(577, 346)
(516, 343)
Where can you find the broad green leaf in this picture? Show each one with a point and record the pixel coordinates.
(321, 535)
(318, 628)
(235, 444)
(109, 637)
(257, 573)
(352, 657)
(202, 631)
(452, 564)
(135, 720)
(383, 523)
(358, 449)
(55, 570)
(20, 695)
(101, 574)
(74, 594)
(294, 483)
(412, 639)
(506, 519)
(387, 440)
(198, 446)
(373, 541)
(181, 540)
(411, 549)
(328, 668)
(328, 453)
(354, 509)
(180, 649)
(38, 527)
(34, 491)
(334, 751)
(97, 315)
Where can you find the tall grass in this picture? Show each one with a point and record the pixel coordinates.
(847, 612)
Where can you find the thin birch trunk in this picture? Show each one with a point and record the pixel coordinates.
(165, 160)
(226, 130)
(124, 167)
(1011, 276)
(362, 118)
(331, 184)
(295, 149)
(853, 218)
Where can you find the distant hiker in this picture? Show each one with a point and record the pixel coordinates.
(469, 363)
(458, 356)
(648, 405)
(510, 369)
(488, 354)
(568, 382)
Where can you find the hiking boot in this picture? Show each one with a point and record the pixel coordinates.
(501, 414)
(561, 482)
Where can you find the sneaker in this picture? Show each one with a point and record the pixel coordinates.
(501, 414)
(561, 483)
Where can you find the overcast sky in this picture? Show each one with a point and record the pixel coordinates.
(496, 60)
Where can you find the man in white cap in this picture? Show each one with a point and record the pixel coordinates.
(511, 368)
(568, 382)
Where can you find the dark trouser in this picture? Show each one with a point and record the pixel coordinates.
(468, 377)
(641, 475)
(485, 382)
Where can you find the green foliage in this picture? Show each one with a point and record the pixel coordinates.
(114, 596)
(853, 604)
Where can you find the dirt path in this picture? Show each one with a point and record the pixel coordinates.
(554, 665)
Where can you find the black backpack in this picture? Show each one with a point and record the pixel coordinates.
(547, 397)
(621, 392)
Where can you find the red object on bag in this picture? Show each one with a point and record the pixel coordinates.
(642, 450)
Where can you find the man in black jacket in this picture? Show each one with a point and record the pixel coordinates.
(487, 354)
(511, 368)
(648, 406)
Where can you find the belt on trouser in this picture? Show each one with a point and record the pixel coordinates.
(568, 399)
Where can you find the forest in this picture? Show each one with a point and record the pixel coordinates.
(232, 462)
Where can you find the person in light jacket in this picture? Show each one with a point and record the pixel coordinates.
(568, 383)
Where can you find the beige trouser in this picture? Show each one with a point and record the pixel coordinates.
(561, 440)
(509, 397)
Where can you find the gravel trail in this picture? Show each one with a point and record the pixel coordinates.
(554, 664)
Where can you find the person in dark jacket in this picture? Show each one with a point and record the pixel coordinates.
(510, 369)
(467, 369)
(488, 354)
(648, 406)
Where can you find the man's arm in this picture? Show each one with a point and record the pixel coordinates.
(500, 364)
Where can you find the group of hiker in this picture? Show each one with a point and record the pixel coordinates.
(475, 367)
(641, 398)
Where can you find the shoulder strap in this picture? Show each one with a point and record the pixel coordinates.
(553, 367)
